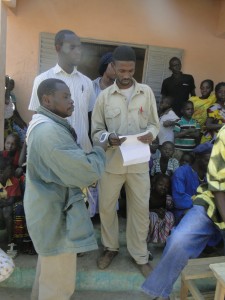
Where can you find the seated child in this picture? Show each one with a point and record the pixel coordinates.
(167, 120)
(166, 164)
(9, 194)
(186, 130)
(8, 114)
(12, 148)
(187, 178)
(155, 152)
(160, 204)
(187, 158)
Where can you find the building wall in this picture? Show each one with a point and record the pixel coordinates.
(191, 25)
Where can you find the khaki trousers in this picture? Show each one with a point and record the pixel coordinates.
(55, 277)
(137, 188)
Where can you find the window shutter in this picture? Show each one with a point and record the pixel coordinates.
(157, 67)
(47, 55)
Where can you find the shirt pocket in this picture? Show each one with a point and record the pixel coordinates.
(143, 119)
(113, 118)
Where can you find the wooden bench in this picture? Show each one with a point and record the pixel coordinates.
(219, 272)
(197, 269)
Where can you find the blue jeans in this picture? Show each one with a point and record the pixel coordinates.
(186, 241)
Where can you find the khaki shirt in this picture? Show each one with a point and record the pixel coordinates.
(113, 113)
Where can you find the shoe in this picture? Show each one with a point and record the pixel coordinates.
(145, 269)
(105, 259)
(81, 254)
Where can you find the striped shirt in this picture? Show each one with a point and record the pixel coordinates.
(185, 143)
(215, 181)
(82, 93)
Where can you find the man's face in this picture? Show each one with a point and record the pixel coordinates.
(175, 66)
(60, 102)
(124, 71)
(70, 51)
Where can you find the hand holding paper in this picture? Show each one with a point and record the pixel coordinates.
(134, 151)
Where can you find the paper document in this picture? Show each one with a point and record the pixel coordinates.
(133, 151)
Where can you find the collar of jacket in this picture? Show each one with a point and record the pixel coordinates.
(138, 88)
(61, 121)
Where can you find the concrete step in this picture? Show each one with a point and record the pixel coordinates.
(122, 275)
(24, 294)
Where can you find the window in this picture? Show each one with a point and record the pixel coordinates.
(151, 68)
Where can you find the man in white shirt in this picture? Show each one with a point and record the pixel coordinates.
(68, 48)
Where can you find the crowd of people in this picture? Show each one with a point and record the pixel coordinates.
(70, 152)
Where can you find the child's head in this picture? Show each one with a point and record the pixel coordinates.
(186, 159)
(155, 145)
(161, 184)
(165, 103)
(167, 150)
(12, 142)
(206, 88)
(220, 92)
(6, 169)
(187, 110)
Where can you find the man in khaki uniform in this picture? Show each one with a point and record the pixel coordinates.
(125, 108)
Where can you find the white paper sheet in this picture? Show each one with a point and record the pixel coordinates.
(133, 151)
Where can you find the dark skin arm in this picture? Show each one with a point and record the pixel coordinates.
(193, 93)
(169, 123)
(114, 140)
(220, 203)
(211, 124)
(188, 133)
(7, 202)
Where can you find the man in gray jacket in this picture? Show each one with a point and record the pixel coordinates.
(57, 170)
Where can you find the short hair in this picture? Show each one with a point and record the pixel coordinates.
(174, 58)
(167, 143)
(60, 36)
(190, 154)
(158, 177)
(186, 103)
(48, 87)
(218, 86)
(209, 81)
(124, 53)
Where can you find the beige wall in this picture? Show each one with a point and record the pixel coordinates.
(191, 25)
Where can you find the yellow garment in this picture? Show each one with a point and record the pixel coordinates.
(3, 192)
(200, 108)
(215, 179)
(217, 113)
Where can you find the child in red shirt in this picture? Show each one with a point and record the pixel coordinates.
(9, 194)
